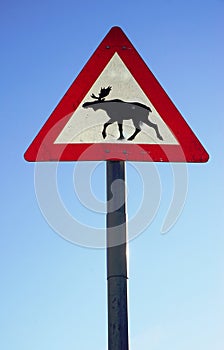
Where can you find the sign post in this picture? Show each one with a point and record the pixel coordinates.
(116, 111)
(116, 257)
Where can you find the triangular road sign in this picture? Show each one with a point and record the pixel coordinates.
(116, 110)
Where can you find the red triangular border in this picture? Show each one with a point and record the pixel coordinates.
(43, 148)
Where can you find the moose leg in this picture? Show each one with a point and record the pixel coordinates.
(155, 127)
(120, 126)
(104, 134)
(137, 131)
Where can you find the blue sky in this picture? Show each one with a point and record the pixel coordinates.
(53, 293)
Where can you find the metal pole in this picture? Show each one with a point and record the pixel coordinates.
(116, 257)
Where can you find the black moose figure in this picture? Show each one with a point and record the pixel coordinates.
(118, 111)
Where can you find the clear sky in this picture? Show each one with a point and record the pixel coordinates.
(53, 293)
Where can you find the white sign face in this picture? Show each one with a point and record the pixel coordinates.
(116, 110)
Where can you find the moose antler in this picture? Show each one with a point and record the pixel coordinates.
(103, 93)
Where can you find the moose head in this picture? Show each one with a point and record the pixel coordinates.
(100, 98)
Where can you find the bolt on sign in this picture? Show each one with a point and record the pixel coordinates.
(116, 110)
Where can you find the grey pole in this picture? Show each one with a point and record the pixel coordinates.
(116, 257)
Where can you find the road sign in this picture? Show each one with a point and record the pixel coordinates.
(116, 110)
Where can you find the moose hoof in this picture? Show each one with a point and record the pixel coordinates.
(104, 135)
(121, 138)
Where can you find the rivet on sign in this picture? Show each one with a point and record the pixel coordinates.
(107, 47)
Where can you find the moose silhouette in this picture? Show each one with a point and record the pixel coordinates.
(118, 111)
